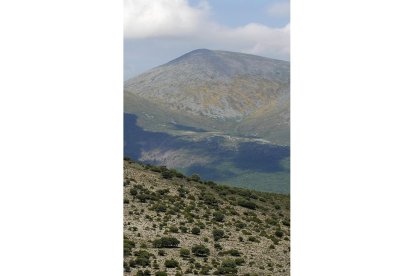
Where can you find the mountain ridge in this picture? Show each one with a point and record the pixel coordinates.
(220, 87)
(211, 113)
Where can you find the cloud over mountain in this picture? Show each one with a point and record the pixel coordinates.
(175, 19)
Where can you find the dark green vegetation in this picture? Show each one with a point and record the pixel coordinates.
(222, 115)
(258, 166)
(182, 225)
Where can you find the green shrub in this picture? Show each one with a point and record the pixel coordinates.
(228, 267)
(167, 174)
(171, 263)
(239, 261)
(195, 177)
(184, 252)
(200, 250)
(210, 200)
(205, 270)
(247, 204)
(286, 222)
(232, 252)
(143, 273)
(166, 242)
(240, 224)
(128, 246)
(218, 234)
(161, 273)
(133, 192)
(195, 231)
(218, 216)
(173, 229)
(126, 267)
(160, 207)
(279, 233)
(218, 246)
(253, 239)
(142, 259)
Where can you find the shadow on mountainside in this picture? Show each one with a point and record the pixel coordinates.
(226, 164)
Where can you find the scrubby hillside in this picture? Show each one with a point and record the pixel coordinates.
(178, 225)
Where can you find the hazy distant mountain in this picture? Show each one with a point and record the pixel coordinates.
(222, 115)
(231, 93)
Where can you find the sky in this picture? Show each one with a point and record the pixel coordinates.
(157, 31)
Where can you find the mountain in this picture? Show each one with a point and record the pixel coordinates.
(217, 91)
(219, 114)
(179, 225)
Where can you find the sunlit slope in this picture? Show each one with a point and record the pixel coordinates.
(229, 93)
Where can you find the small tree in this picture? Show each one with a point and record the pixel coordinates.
(200, 250)
(218, 234)
(195, 231)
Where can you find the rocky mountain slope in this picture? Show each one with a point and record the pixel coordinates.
(178, 225)
(222, 115)
(217, 91)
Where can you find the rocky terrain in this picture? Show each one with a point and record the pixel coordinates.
(225, 92)
(179, 225)
(222, 115)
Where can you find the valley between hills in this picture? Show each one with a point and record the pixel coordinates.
(222, 115)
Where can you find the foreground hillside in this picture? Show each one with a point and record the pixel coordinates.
(178, 225)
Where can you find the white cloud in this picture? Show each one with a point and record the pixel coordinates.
(161, 18)
(279, 9)
(257, 39)
(177, 25)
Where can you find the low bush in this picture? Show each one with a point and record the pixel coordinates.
(218, 234)
(218, 216)
(247, 204)
(200, 250)
(166, 242)
(171, 263)
(184, 252)
(195, 231)
(279, 233)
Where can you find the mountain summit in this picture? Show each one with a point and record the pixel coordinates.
(227, 92)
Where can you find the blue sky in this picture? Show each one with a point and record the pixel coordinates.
(157, 31)
(235, 13)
